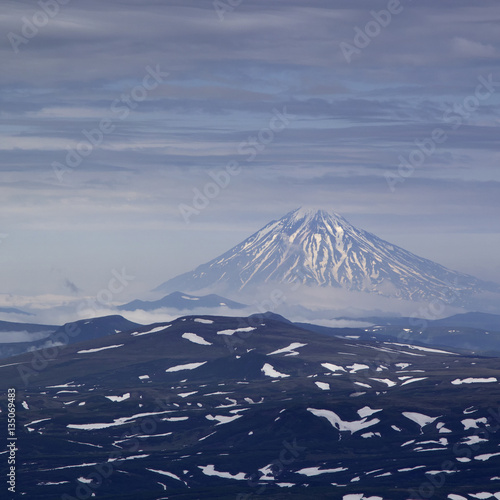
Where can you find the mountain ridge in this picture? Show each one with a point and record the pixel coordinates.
(182, 301)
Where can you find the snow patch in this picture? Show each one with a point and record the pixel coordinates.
(290, 349)
(386, 381)
(359, 496)
(222, 419)
(486, 456)
(367, 435)
(367, 411)
(271, 372)
(186, 394)
(118, 399)
(164, 473)
(411, 380)
(471, 423)
(356, 367)
(419, 418)
(316, 471)
(209, 470)
(471, 380)
(89, 351)
(195, 339)
(420, 348)
(343, 425)
(187, 366)
(333, 368)
(238, 330)
(323, 385)
(154, 330)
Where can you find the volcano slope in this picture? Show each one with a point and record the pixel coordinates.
(319, 248)
(245, 408)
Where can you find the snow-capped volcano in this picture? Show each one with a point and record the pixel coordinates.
(316, 247)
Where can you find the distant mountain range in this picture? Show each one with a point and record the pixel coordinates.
(225, 408)
(182, 301)
(477, 333)
(472, 332)
(316, 247)
(11, 326)
(481, 320)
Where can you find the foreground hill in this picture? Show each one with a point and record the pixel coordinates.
(223, 408)
(24, 337)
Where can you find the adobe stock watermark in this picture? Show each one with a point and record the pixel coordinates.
(222, 7)
(11, 439)
(30, 28)
(454, 117)
(221, 179)
(372, 29)
(61, 338)
(120, 109)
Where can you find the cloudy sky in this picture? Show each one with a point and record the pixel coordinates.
(116, 115)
